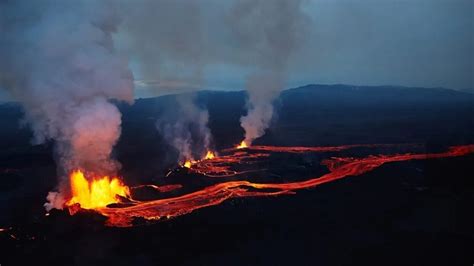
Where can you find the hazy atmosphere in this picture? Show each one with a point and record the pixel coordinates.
(184, 45)
(421, 43)
(236, 132)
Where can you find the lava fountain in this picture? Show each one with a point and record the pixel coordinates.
(98, 193)
(242, 145)
(209, 156)
(188, 163)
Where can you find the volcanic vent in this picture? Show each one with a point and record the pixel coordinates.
(240, 172)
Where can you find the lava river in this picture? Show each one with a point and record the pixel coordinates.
(338, 167)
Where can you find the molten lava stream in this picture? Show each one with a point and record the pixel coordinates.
(218, 193)
(222, 166)
(189, 163)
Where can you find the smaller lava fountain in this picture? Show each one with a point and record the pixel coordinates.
(189, 163)
(209, 156)
(242, 145)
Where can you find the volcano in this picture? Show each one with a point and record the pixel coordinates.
(390, 180)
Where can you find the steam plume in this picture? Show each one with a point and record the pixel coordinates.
(174, 51)
(272, 31)
(170, 49)
(58, 60)
(186, 129)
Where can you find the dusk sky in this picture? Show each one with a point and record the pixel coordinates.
(420, 43)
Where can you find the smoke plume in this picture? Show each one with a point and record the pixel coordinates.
(58, 60)
(166, 39)
(272, 31)
(63, 61)
(185, 128)
(174, 51)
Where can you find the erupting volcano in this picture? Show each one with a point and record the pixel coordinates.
(235, 169)
(98, 193)
(239, 132)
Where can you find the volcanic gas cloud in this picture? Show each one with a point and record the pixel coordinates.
(59, 61)
(274, 42)
(62, 61)
(233, 170)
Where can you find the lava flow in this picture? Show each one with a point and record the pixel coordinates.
(98, 193)
(209, 156)
(215, 194)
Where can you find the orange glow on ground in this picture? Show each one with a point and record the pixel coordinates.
(98, 193)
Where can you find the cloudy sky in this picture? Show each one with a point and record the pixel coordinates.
(424, 43)
(176, 46)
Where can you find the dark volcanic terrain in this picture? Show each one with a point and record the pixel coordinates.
(402, 213)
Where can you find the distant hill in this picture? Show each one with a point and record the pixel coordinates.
(311, 114)
(361, 95)
(308, 116)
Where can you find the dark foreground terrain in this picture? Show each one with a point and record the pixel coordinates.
(403, 213)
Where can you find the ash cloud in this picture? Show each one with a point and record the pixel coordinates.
(59, 61)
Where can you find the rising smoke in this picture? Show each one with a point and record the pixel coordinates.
(185, 128)
(175, 41)
(63, 62)
(165, 37)
(272, 31)
(58, 60)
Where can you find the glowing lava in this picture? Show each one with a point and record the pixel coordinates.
(98, 193)
(187, 164)
(239, 184)
(216, 194)
(242, 145)
(209, 155)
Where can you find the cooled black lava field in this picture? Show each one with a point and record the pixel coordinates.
(406, 211)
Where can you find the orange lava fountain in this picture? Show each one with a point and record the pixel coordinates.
(209, 155)
(98, 193)
(242, 145)
(188, 163)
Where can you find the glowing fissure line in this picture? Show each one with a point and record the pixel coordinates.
(218, 193)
